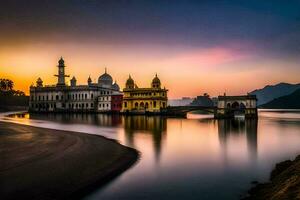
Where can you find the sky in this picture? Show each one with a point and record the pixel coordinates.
(194, 46)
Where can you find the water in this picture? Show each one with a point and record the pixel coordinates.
(194, 158)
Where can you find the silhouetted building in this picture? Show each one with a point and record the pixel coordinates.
(184, 101)
(204, 101)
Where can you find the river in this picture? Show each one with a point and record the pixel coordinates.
(194, 158)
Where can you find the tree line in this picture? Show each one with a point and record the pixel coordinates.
(7, 88)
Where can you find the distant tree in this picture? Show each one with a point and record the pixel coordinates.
(18, 93)
(7, 88)
(2, 84)
(9, 84)
(6, 84)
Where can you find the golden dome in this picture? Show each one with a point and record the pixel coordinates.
(130, 83)
(155, 82)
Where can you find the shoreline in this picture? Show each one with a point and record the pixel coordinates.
(54, 164)
(284, 183)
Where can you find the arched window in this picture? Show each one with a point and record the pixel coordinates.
(142, 104)
(136, 105)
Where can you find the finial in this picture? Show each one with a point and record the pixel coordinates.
(155, 74)
(105, 70)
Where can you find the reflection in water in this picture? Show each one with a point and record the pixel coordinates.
(210, 159)
(81, 118)
(238, 126)
(154, 125)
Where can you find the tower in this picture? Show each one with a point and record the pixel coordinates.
(61, 73)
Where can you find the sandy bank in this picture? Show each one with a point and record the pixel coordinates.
(50, 164)
(284, 183)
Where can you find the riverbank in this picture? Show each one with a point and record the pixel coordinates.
(284, 183)
(51, 164)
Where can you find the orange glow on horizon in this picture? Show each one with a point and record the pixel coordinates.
(184, 71)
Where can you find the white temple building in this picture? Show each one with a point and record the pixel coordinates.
(93, 97)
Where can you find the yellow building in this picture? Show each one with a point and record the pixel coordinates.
(143, 100)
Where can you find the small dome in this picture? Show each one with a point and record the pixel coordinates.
(105, 80)
(73, 78)
(61, 61)
(115, 86)
(73, 81)
(130, 83)
(39, 82)
(155, 82)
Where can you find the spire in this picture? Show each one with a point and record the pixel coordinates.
(105, 70)
(89, 80)
(61, 61)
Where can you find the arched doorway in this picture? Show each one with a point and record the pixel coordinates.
(136, 105)
(235, 105)
(142, 105)
(228, 105)
(146, 105)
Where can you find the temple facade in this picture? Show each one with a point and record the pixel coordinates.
(144, 100)
(61, 97)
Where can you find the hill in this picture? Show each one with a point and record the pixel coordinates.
(290, 101)
(270, 92)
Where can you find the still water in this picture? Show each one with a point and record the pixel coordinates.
(193, 158)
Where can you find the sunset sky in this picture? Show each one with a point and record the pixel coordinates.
(193, 46)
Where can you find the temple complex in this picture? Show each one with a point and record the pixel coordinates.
(103, 96)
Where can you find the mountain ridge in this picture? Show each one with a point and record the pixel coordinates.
(291, 101)
(270, 92)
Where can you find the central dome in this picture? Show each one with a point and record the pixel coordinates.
(105, 80)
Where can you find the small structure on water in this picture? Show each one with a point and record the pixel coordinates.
(229, 106)
(226, 107)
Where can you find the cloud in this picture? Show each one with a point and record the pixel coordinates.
(209, 57)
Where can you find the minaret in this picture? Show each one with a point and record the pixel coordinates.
(61, 73)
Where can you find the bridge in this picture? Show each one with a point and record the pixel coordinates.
(227, 107)
(183, 110)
